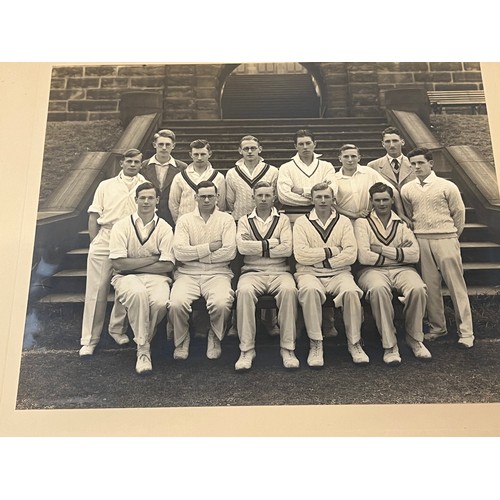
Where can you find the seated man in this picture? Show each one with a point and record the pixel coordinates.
(141, 254)
(385, 248)
(325, 247)
(204, 246)
(264, 237)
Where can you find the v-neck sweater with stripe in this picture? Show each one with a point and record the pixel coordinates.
(125, 241)
(258, 256)
(239, 187)
(369, 231)
(324, 252)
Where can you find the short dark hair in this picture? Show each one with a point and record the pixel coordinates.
(206, 184)
(199, 144)
(303, 132)
(391, 130)
(380, 187)
(427, 153)
(146, 185)
(130, 153)
(263, 184)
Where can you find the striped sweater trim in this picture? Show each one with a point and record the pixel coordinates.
(252, 182)
(324, 233)
(152, 230)
(305, 173)
(392, 234)
(192, 184)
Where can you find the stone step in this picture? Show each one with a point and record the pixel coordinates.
(291, 122)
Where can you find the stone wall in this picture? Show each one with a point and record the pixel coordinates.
(192, 91)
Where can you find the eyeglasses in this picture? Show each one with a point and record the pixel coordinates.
(250, 149)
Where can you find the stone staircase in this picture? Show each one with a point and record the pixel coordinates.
(481, 256)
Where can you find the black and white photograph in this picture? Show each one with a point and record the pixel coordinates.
(268, 234)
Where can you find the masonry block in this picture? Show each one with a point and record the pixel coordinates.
(388, 66)
(335, 79)
(103, 93)
(206, 104)
(433, 77)
(179, 104)
(206, 93)
(365, 76)
(469, 76)
(180, 80)
(58, 106)
(207, 69)
(361, 66)
(413, 66)
(333, 67)
(206, 81)
(456, 86)
(67, 117)
(63, 95)
(147, 82)
(82, 83)
(180, 69)
(143, 70)
(445, 66)
(472, 66)
(395, 78)
(184, 91)
(89, 105)
(65, 71)
(119, 83)
(100, 71)
(58, 83)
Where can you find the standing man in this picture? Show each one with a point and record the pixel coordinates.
(264, 237)
(325, 248)
(182, 193)
(354, 181)
(242, 178)
(303, 171)
(394, 166)
(161, 169)
(204, 246)
(141, 254)
(387, 248)
(114, 199)
(438, 214)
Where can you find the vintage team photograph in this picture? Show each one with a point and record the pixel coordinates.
(264, 234)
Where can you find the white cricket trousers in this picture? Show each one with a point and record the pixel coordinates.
(282, 287)
(378, 284)
(99, 272)
(346, 295)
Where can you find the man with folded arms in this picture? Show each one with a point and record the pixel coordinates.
(204, 246)
(264, 238)
(438, 214)
(325, 248)
(387, 248)
(141, 254)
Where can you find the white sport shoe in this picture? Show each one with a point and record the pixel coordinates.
(391, 356)
(245, 360)
(214, 349)
(289, 359)
(418, 348)
(466, 342)
(87, 350)
(143, 365)
(182, 351)
(315, 358)
(120, 338)
(358, 355)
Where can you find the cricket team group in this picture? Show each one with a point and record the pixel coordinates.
(164, 234)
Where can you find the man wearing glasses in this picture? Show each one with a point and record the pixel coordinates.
(161, 169)
(204, 246)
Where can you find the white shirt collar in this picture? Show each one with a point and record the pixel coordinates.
(429, 179)
(399, 158)
(394, 216)
(314, 216)
(135, 217)
(154, 161)
(253, 214)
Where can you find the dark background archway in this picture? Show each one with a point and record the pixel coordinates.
(270, 90)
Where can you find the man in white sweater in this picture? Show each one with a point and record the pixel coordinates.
(387, 251)
(297, 176)
(264, 238)
(325, 248)
(181, 199)
(204, 246)
(438, 215)
(140, 250)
